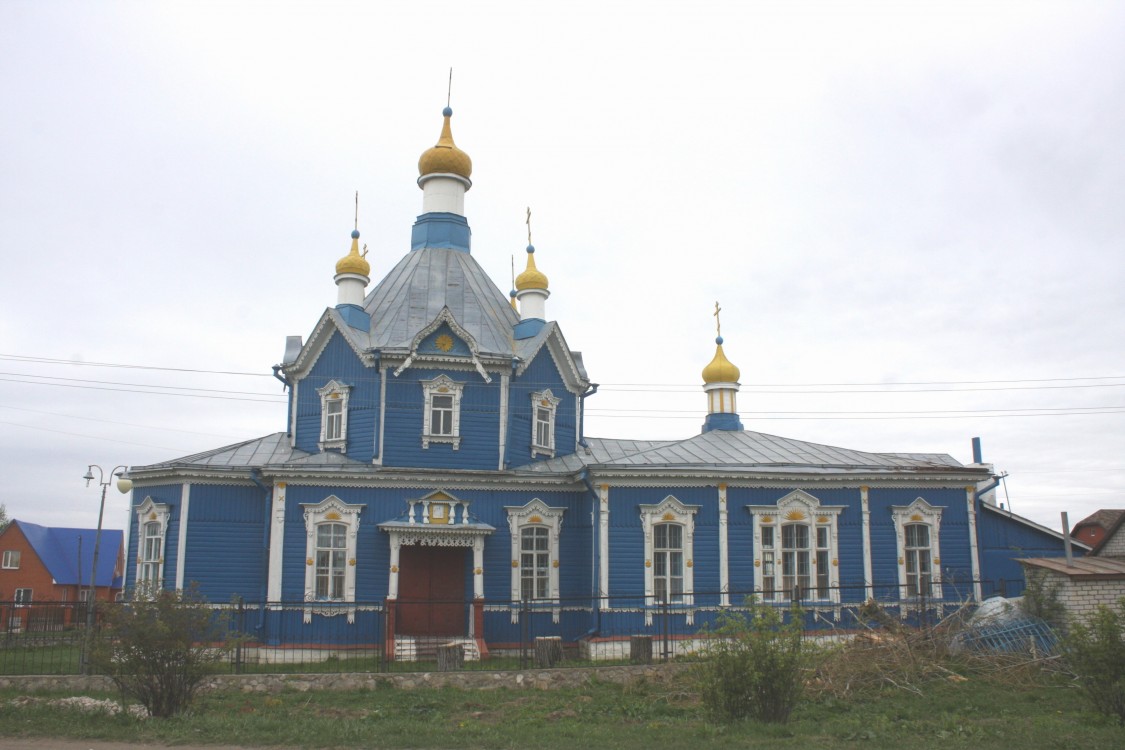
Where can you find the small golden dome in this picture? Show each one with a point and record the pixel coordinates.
(532, 277)
(445, 157)
(353, 262)
(720, 370)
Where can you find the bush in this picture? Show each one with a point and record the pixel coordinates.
(1041, 599)
(159, 647)
(1096, 652)
(753, 665)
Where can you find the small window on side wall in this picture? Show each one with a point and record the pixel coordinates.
(334, 415)
(11, 559)
(544, 406)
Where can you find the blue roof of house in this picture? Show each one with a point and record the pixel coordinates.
(68, 554)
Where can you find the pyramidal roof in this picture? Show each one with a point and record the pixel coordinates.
(414, 292)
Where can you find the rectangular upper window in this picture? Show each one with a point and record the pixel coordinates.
(11, 559)
(334, 414)
(23, 596)
(442, 420)
(543, 408)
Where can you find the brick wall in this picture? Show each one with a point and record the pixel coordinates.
(1082, 597)
(1115, 547)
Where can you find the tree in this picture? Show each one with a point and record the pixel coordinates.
(159, 647)
(4, 520)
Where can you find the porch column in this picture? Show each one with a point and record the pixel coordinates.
(392, 581)
(478, 567)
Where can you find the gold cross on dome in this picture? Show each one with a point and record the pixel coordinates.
(529, 225)
(718, 325)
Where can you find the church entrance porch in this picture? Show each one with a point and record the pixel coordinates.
(431, 548)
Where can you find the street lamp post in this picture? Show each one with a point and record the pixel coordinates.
(123, 485)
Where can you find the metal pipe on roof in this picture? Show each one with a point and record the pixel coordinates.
(1066, 540)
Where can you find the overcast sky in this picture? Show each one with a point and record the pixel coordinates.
(911, 213)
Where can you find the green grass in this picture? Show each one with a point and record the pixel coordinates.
(977, 714)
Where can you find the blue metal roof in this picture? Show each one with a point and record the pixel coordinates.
(68, 554)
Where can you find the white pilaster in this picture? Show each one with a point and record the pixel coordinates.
(383, 371)
(869, 585)
(277, 542)
(724, 565)
(603, 547)
(974, 553)
(181, 553)
(504, 383)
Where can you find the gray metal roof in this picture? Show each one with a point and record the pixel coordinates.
(736, 450)
(422, 283)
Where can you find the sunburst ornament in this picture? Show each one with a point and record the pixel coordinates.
(795, 515)
(444, 342)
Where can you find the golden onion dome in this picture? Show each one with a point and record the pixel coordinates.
(721, 370)
(532, 277)
(353, 262)
(445, 157)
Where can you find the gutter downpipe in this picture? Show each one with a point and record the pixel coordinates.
(256, 478)
(974, 537)
(288, 407)
(585, 477)
(582, 422)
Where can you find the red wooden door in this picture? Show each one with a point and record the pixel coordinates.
(431, 589)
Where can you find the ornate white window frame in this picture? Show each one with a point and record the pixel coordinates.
(334, 392)
(798, 507)
(543, 400)
(442, 385)
(918, 512)
(152, 512)
(669, 510)
(330, 510)
(535, 514)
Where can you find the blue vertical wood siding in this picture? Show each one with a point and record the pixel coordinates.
(339, 362)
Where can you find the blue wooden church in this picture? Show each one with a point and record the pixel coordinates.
(434, 476)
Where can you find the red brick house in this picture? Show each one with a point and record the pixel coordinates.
(41, 565)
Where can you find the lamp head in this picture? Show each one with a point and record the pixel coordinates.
(123, 484)
(89, 475)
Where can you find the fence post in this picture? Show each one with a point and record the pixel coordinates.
(238, 635)
(525, 631)
(664, 628)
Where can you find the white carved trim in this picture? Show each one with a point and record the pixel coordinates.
(974, 555)
(670, 510)
(330, 510)
(603, 547)
(446, 317)
(921, 512)
(868, 577)
(332, 391)
(799, 507)
(535, 514)
(152, 512)
(431, 388)
(552, 405)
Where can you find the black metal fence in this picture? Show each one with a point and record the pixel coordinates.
(386, 636)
